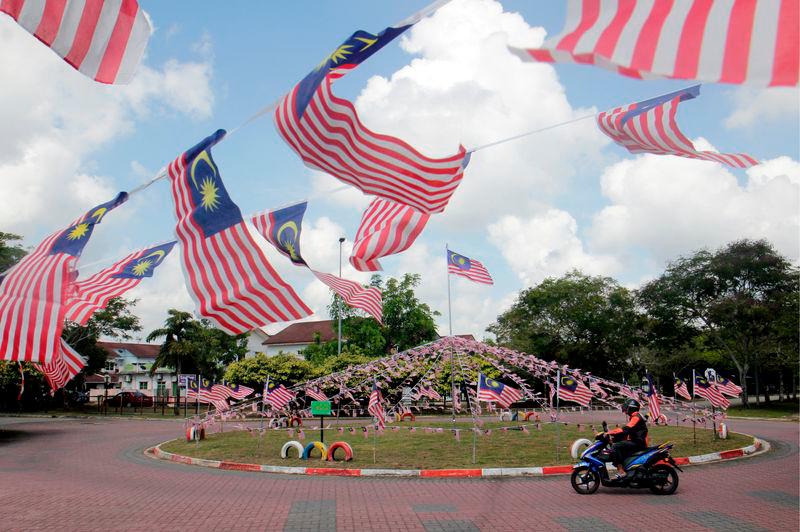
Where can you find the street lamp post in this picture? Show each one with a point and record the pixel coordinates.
(106, 380)
(339, 299)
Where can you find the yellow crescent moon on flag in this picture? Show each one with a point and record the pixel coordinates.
(288, 225)
(99, 213)
(160, 254)
(203, 156)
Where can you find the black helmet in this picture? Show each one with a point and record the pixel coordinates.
(630, 406)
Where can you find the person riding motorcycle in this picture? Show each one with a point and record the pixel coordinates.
(630, 438)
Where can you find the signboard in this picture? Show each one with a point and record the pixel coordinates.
(320, 408)
(183, 380)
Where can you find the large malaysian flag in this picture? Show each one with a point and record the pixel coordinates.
(465, 267)
(572, 389)
(491, 391)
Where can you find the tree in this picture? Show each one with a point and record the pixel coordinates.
(739, 299)
(407, 321)
(178, 350)
(586, 322)
(10, 254)
(283, 369)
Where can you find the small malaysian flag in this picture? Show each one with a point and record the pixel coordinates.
(709, 391)
(315, 393)
(492, 391)
(239, 392)
(652, 399)
(368, 299)
(375, 407)
(571, 389)
(727, 387)
(430, 393)
(466, 267)
(681, 389)
(597, 389)
(279, 396)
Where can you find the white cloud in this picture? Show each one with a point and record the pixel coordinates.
(763, 106)
(546, 245)
(668, 206)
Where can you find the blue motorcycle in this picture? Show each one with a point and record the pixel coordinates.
(651, 468)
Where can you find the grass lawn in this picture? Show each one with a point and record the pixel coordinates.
(775, 409)
(422, 450)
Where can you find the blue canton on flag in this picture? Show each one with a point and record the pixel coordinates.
(145, 265)
(72, 240)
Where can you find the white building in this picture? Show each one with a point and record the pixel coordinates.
(129, 367)
(298, 336)
(255, 342)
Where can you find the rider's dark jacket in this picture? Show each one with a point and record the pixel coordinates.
(635, 430)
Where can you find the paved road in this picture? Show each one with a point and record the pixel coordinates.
(91, 474)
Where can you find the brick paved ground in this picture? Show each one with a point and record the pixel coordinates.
(91, 474)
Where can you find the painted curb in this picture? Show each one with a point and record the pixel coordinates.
(758, 446)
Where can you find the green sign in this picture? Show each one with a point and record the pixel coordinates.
(320, 408)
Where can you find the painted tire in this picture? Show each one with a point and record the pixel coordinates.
(505, 416)
(409, 416)
(295, 419)
(723, 431)
(315, 445)
(292, 444)
(189, 434)
(529, 415)
(348, 451)
(578, 447)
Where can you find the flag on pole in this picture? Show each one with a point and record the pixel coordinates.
(709, 391)
(652, 399)
(104, 40)
(596, 388)
(282, 228)
(386, 228)
(34, 291)
(327, 134)
(375, 407)
(492, 391)
(649, 126)
(367, 299)
(63, 368)
(278, 396)
(571, 389)
(97, 290)
(727, 387)
(466, 267)
(227, 274)
(726, 42)
(240, 392)
(316, 393)
(681, 388)
(430, 393)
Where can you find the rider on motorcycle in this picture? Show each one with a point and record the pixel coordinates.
(630, 438)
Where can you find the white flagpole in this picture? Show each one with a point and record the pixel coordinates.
(449, 308)
(558, 422)
(694, 412)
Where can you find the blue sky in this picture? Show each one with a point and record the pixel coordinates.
(533, 208)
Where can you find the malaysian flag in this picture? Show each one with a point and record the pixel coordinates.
(681, 388)
(279, 396)
(708, 390)
(282, 228)
(571, 389)
(327, 134)
(469, 268)
(375, 407)
(727, 42)
(218, 395)
(367, 299)
(652, 399)
(492, 391)
(727, 387)
(430, 393)
(239, 392)
(97, 290)
(650, 127)
(627, 391)
(227, 274)
(105, 40)
(596, 388)
(386, 228)
(67, 364)
(316, 393)
(34, 291)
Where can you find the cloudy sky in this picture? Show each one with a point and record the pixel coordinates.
(529, 209)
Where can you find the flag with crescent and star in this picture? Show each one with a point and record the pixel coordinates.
(282, 228)
(572, 389)
(493, 391)
(227, 273)
(93, 293)
(465, 267)
(34, 292)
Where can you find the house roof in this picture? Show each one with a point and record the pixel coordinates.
(464, 336)
(303, 333)
(138, 350)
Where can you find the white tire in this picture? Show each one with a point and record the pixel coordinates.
(292, 444)
(578, 446)
(505, 416)
(723, 431)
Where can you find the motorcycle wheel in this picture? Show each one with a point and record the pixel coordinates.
(584, 481)
(664, 480)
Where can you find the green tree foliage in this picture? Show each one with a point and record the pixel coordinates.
(10, 254)
(283, 369)
(407, 321)
(741, 300)
(585, 322)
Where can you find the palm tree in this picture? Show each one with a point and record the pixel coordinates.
(177, 347)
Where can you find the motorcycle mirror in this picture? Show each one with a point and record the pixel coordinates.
(605, 426)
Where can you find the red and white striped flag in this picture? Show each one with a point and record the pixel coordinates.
(97, 290)
(597, 389)
(34, 291)
(105, 40)
(681, 389)
(386, 228)
(367, 299)
(64, 368)
(727, 387)
(227, 274)
(239, 392)
(650, 127)
(375, 407)
(724, 41)
(652, 400)
(572, 389)
(315, 393)
(469, 268)
(279, 396)
(709, 391)
(326, 132)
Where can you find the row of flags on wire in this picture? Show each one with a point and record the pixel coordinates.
(228, 275)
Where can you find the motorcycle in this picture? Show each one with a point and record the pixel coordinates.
(651, 468)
